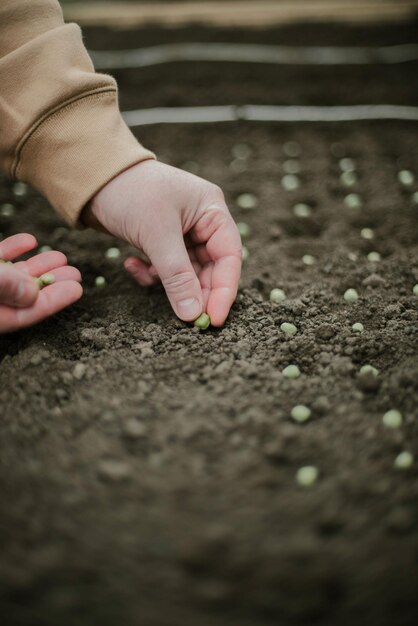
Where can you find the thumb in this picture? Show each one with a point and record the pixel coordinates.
(16, 287)
(171, 260)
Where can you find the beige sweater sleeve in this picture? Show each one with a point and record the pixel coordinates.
(60, 125)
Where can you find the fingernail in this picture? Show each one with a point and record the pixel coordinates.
(189, 308)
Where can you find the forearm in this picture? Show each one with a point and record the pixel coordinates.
(60, 125)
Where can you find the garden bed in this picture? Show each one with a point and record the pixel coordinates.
(148, 470)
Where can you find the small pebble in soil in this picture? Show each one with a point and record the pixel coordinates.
(358, 327)
(245, 253)
(112, 253)
(367, 233)
(277, 295)
(369, 369)
(292, 149)
(244, 230)
(392, 418)
(302, 210)
(348, 179)
(415, 290)
(308, 259)
(300, 413)
(415, 197)
(290, 182)
(353, 201)
(406, 178)
(7, 210)
(347, 165)
(202, 322)
(20, 189)
(307, 476)
(288, 329)
(374, 257)
(241, 151)
(247, 201)
(100, 282)
(291, 371)
(291, 166)
(351, 295)
(404, 460)
(45, 249)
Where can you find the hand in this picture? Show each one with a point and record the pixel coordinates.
(21, 302)
(184, 227)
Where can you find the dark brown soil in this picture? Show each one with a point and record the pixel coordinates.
(147, 470)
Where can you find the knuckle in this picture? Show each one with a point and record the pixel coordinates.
(179, 281)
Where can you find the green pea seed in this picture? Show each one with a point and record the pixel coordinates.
(45, 249)
(406, 178)
(404, 460)
(277, 295)
(307, 476)
(45, 280)
(288, 329)
(245, 253)
(374, 257)
(348, 179)
(20, 189)
(243, 229)
(351, 295)
(369, 369)
(392, 418)
(290, 182)
(308, 259)
(415, 197)
(291, 371)
(347, 165)
(241, 151)
(367, 233)
(112, 253)
(415, 290)
(203, 321)
(358, 327)
(300, 413)
(302, 210)
(100, 282)
(291, 167)
(247, 201)
(353, 201)
(292, 149)
(7, 210)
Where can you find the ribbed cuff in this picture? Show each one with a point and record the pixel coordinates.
(76, 149)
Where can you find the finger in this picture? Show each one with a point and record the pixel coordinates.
(51, 300)
(67, 272)
(224, 247)
(17, 289)
(141, 272)
(42, 263)
(170, 258)
(12, 247)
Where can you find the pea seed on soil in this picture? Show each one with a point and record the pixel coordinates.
(149, 469)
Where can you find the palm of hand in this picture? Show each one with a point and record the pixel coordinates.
(21, 302)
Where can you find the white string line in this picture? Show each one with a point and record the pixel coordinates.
(253, 53)
(267, 113)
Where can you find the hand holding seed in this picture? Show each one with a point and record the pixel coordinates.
(21, 301)
(184, 227)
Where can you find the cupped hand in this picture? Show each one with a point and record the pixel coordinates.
(184, 227)
(22, 303)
